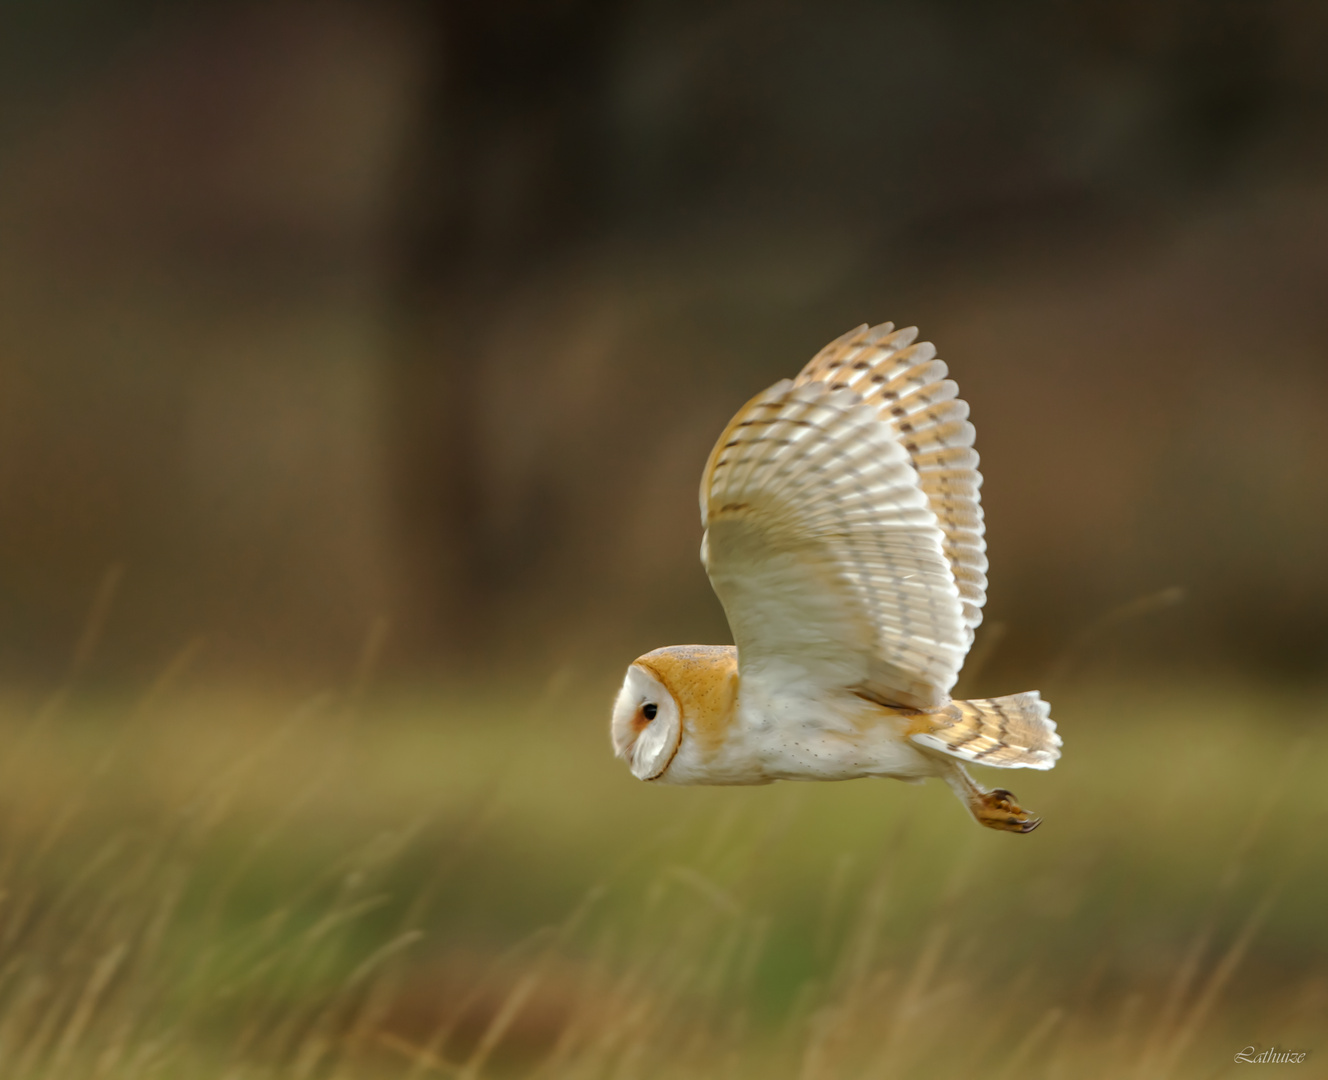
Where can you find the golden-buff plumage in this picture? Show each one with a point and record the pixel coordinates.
(704, 680)
(844, 537)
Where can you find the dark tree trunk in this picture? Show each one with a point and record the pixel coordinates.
(506, 172)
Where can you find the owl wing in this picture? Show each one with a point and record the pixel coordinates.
(824, 549)
(908, 387)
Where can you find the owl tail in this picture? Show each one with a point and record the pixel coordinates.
(1009, 732)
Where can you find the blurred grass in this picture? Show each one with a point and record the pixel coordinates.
(426, 881)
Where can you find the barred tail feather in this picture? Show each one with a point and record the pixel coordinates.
(1009, 732)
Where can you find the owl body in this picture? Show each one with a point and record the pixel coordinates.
(844, 537)
(806, 734)
(785, 728)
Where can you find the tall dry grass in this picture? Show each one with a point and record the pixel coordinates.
(413, 883)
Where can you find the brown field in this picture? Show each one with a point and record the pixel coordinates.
(464, 883)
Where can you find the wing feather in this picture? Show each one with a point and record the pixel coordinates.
(825, 551)
(902, 378)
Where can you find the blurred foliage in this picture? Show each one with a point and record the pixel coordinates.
(400, 883)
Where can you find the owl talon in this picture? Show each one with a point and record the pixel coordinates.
(998, 810)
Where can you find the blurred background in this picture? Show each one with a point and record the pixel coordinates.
(379, 347)
(316, 314)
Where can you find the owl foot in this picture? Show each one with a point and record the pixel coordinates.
(998, 810)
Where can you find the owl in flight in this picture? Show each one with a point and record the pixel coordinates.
(843, 536)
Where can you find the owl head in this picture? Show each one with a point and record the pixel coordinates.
(668, 697)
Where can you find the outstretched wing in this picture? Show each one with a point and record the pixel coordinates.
(908, 387)
(825, 552)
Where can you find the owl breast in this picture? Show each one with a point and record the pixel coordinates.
(798, 734)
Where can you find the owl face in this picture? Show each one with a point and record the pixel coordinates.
(647, 724)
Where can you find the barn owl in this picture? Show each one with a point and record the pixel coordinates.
(844, 538)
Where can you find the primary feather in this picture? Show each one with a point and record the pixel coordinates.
(824, 550)
(910, 391)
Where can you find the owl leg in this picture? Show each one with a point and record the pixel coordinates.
(994, 809)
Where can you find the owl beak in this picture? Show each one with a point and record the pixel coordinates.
(623, 741)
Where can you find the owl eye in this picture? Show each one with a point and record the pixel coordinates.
(649, 709)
